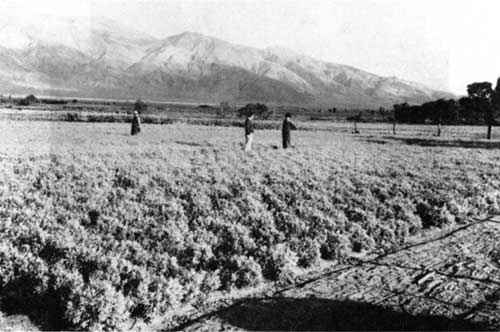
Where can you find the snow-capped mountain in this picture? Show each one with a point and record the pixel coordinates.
(101, 58)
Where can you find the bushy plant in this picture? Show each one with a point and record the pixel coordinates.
(334, 246)
(96, 305)
(307, 251)
(98, 230)
(241, 271)
(279, 262)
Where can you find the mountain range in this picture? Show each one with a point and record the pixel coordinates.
(96, 57)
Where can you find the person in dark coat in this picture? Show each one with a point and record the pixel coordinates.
(287, 127)
(249, 132)
(136, 124)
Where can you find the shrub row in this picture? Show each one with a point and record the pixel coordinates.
(95, 241)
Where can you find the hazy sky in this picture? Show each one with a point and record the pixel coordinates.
(443, 44)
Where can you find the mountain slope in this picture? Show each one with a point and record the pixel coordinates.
(100, 39)
(100, 58)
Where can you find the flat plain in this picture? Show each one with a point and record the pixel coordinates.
(100, 228)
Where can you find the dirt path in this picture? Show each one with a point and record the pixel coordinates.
(448, 283)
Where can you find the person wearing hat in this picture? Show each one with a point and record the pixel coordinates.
(248, 132)
(286, 129)
(136, 124)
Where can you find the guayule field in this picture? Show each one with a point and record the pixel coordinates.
(98, 227)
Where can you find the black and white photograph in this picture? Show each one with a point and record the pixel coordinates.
(249, 165)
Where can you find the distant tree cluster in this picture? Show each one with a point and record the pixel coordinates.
(140, 105)
(32, 99)
(54, 101)
(259, 110)
(480, 106)
(441, 110)
(28, 100)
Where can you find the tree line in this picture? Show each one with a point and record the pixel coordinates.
(481, 106)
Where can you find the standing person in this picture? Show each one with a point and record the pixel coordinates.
(288, 126)
(136, 124)
(249, 132)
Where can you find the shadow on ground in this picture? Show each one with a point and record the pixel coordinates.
(436, 142)
(44, 312)
(312, 314)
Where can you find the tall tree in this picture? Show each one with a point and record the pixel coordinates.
(467, 111)
(402, 112)
(355, 119)
(140, 105)
(441, 106)
(481, 93)
(394, 118)
(495, 98)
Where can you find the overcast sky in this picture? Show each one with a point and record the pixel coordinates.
(443, 44)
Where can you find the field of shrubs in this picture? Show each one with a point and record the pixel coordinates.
(99, 228)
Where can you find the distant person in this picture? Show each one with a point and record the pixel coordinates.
(288, 126)
(136, 124)
(249, 132)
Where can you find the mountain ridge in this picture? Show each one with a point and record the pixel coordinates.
(101, 58)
